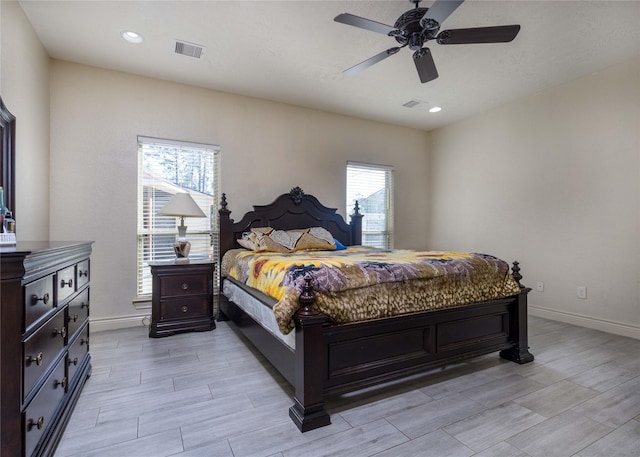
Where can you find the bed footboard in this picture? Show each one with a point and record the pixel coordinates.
(332, 359)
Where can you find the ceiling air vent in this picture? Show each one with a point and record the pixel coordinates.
(414, 104)
(189, 49)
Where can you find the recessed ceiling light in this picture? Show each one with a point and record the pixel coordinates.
(435, 109)
(132, 37)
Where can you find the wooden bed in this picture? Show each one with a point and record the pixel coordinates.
(331, 358)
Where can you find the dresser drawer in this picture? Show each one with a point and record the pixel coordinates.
(41, 349)
(82, 271)
(39, 414)
(185, 308)
(39, 300)
(78, 312)
(66, 283)
(78, 350)
(182, 285)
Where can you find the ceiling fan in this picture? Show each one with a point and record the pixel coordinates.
(419, 25)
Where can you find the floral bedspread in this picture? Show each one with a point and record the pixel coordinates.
(362, 283)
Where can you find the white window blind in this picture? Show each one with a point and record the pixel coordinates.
(167, 167)
(372, 186)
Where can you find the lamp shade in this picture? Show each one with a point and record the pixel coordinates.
(182, 205)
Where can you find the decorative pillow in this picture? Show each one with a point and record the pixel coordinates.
(288, 239)
(315, 238)
(339, 245)
(247, 243)
(267, 239)
(264, 243)
(322, 234)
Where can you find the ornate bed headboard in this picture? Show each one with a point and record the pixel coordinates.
(294, 210)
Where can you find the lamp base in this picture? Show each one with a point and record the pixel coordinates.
(181, 245)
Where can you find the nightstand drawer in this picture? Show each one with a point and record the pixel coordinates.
(185, 308)
(181, 285)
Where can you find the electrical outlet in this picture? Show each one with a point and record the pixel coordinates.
(582, 292)
(540, 286)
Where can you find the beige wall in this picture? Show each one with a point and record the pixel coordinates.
(552, 180)
(267, 148)
(24, 86)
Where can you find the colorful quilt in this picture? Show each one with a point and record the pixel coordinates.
(362, 283)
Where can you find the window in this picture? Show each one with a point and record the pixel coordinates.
(166, 167)
(372, 186)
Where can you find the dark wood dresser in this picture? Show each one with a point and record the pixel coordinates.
(44, 342)
(182, 298)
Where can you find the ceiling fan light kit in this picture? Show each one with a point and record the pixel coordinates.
(419, 25)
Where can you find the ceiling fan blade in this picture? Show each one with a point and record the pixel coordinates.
(440, 10)
(425, 65)
(370, 61)
(368, 24)
(498, 34)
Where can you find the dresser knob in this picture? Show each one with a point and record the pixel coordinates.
(36, 299)
(84, 305)
(66, 283)
(74, 361)
(73, 318)
(185, 286)
(84, 341)
(62, 332)
(185, 309)
(83, 273)
(37, 359)
(38, 424)
(62, 383)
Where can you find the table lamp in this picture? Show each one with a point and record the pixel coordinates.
(182, 205)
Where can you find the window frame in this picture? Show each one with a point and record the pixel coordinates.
(203, 234)
(385, 232)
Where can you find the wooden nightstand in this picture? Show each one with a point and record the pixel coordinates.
(182, 297)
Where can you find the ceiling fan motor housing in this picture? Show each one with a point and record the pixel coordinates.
(411, 31)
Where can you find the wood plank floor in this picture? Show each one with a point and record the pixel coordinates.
(211, 394)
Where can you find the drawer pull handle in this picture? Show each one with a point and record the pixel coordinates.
(84, 341)
(73, 318)
(62, 332)
(62, 383)
(83, 305)
(185, 309)
(83, 273)
(37, 424)
(66, 283)
(36, 299)
(74, 361)
(37, 359)
(185, 286)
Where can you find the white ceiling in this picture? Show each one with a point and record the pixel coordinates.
(293, 52)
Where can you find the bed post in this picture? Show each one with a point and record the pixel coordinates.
(226, 241)
(308, 410)
(518, 324)
(225, 221)
(356, 226)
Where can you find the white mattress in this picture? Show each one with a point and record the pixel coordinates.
(260, 312)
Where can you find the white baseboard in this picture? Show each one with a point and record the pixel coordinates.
(616, 328)
(115, 323)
